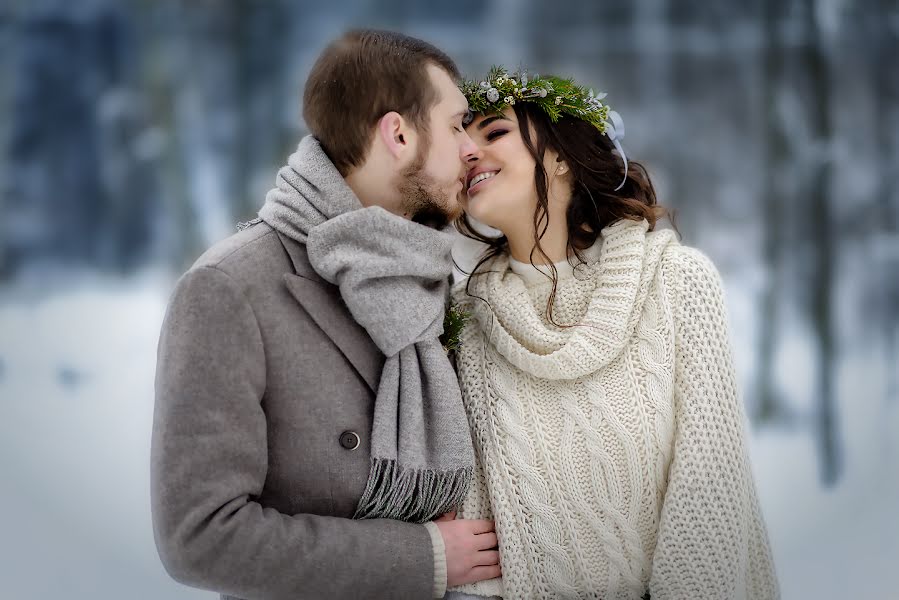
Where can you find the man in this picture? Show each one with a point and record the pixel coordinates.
(308, 426)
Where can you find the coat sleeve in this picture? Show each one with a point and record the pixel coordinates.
(209, 461)
(712, 541)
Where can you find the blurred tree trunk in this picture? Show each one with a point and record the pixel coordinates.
(768, 406)
(262, 75)
(205, 116)
(801, 241)
(5, 62)
(886, 102)
(824, 240)
(62, 196)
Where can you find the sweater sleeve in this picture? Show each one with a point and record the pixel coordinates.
(209, 462)
(712, 541)
(439, 559)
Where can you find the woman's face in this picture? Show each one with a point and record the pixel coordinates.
(501, 189)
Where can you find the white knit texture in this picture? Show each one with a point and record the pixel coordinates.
(612, 454)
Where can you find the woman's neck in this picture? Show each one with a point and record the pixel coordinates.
(554, 242)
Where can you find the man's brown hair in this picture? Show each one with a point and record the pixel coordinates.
(359, 78)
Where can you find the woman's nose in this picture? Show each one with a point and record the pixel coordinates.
(471, 152)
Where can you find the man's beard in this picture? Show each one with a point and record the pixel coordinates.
(422, 198)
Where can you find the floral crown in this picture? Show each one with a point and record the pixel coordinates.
(557, 97)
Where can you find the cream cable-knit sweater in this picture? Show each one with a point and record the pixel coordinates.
(612, 454)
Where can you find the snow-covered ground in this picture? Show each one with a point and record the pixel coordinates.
(76, 406)
(76, 380)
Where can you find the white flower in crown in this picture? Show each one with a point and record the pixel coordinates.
(594, 100)
(509, 100)
(558, 100)
(492, 95)
(484, 85)
(541, 92)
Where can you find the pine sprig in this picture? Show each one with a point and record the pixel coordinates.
(453, 324)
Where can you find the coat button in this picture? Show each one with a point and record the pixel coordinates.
(349, 440)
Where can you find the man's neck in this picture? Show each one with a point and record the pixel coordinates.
(372, 188)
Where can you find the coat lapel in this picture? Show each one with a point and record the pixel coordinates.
(323, 303)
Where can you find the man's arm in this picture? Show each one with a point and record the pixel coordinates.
(209, 464)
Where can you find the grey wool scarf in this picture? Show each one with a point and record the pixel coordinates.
(393, 277)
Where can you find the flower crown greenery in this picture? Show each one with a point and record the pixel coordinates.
(554, 95)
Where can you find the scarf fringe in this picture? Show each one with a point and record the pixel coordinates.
(414, 496)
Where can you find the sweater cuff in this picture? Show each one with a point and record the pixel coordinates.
(439, 559)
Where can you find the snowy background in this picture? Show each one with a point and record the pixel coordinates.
(134, 134)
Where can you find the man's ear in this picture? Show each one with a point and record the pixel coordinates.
(395, 134)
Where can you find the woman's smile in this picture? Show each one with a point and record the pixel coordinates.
(479, 180)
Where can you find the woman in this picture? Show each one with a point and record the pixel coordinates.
(596, 369)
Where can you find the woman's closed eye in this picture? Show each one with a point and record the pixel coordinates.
(496, 133)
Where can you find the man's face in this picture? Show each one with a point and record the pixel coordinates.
(431, 185)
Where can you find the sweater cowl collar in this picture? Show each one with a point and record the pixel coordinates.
(627, 265)
(539, 274)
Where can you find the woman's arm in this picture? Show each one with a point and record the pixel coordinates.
(712, 541)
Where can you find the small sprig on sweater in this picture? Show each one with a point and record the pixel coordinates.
(453, 324)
